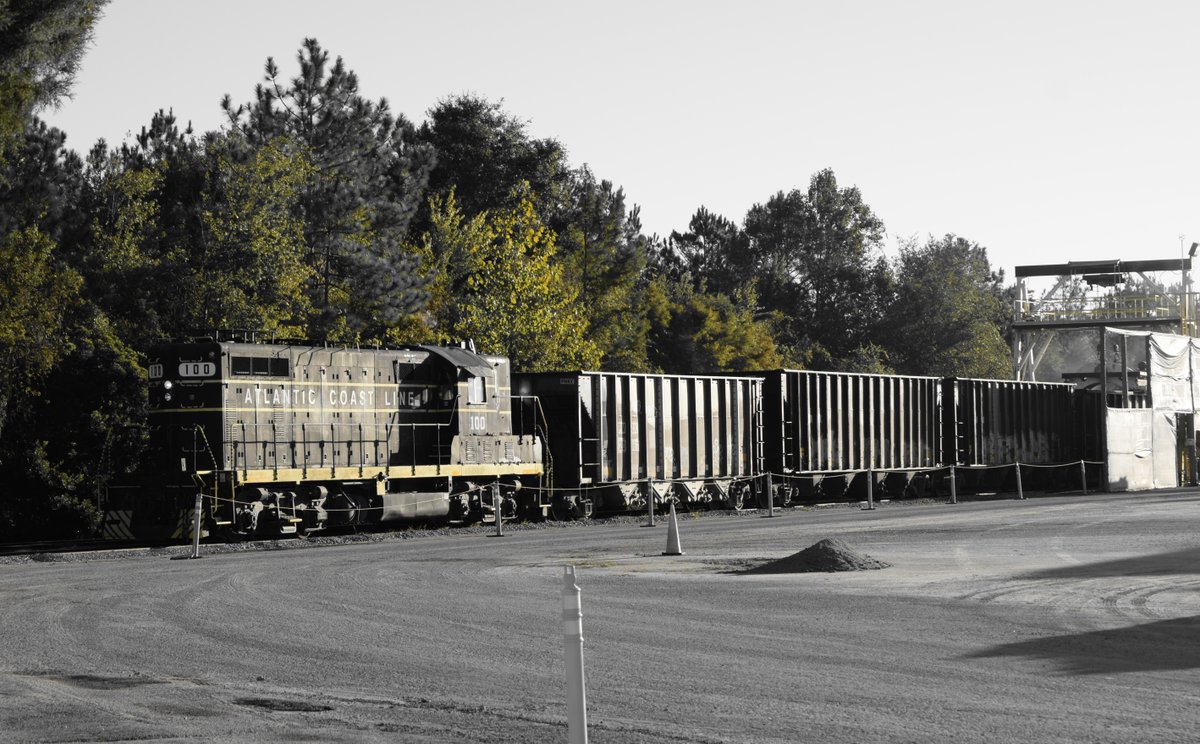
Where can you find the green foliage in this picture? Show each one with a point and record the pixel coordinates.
(39, 338)
(250, 272)
(368, 179)
(603, 253)
(484, 154)
(947, 312)
(498, 286)
(818, 260)
(41, 43)
(35, 296)
(699, 333)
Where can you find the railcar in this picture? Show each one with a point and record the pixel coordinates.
(282, 438)
(990, 423)
(825, 430)
(617, 439)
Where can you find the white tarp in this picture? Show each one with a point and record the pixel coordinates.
(1171, 373)
(1143, 445)
(1130, 449)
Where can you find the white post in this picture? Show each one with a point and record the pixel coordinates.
(572, 615)
(196, 525)
(953, 486)
(1083, 475)
(497, 507)
(1020, 489)
(650, 502)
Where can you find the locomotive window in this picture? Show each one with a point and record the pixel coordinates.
(263, 366)
(475, 390)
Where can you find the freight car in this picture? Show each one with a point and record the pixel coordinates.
(284, 438)
(825, 433)
(617, 439)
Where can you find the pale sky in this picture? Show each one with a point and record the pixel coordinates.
(1045, 131)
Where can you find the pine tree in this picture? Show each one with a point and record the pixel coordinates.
(368, 179)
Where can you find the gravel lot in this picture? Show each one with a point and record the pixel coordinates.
(1048, 620)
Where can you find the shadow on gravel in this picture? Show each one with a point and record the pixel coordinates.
(1163, 645)
(1176, 562)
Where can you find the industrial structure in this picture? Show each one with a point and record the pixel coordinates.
(1124, 333)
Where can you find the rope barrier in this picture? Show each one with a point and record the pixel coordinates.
(771, 477)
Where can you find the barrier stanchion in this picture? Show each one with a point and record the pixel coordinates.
(496, 506)
(1083, 475)
(196, 525)
(770, 496)
(1020, 489)
(649, 503)
(953, 486)
(870, 491)
(572, 615)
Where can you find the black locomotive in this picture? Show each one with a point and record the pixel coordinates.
(282, 438)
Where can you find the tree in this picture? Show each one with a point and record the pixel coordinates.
(698, 333)
(484, 153)
(497, 285)
(603, 253)
(41, 43)
(250, 271)
(369, 176)
(819, 261)
(712, 254)
(948, 310)
(36, 293)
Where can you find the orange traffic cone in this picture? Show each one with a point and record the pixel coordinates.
(673, 535)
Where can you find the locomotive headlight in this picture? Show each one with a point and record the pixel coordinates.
(167, 385)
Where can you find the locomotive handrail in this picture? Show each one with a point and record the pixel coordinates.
(545, 429)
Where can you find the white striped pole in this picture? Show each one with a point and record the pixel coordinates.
(196, 525)
(572, 615)
(496, 507)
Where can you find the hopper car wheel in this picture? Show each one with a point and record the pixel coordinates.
(736, 498)
(560, 508)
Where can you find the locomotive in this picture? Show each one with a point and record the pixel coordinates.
(288, 438)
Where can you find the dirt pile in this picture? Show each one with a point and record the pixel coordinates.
(831, 554)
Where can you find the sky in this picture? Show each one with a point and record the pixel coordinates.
(1046, 131)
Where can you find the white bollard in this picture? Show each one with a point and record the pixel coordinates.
(572, 615)
(196, 525)
(1083, 475)
(1020, 489)
(953, 486)
(497, 506)
(650, 502)
(870, 491)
